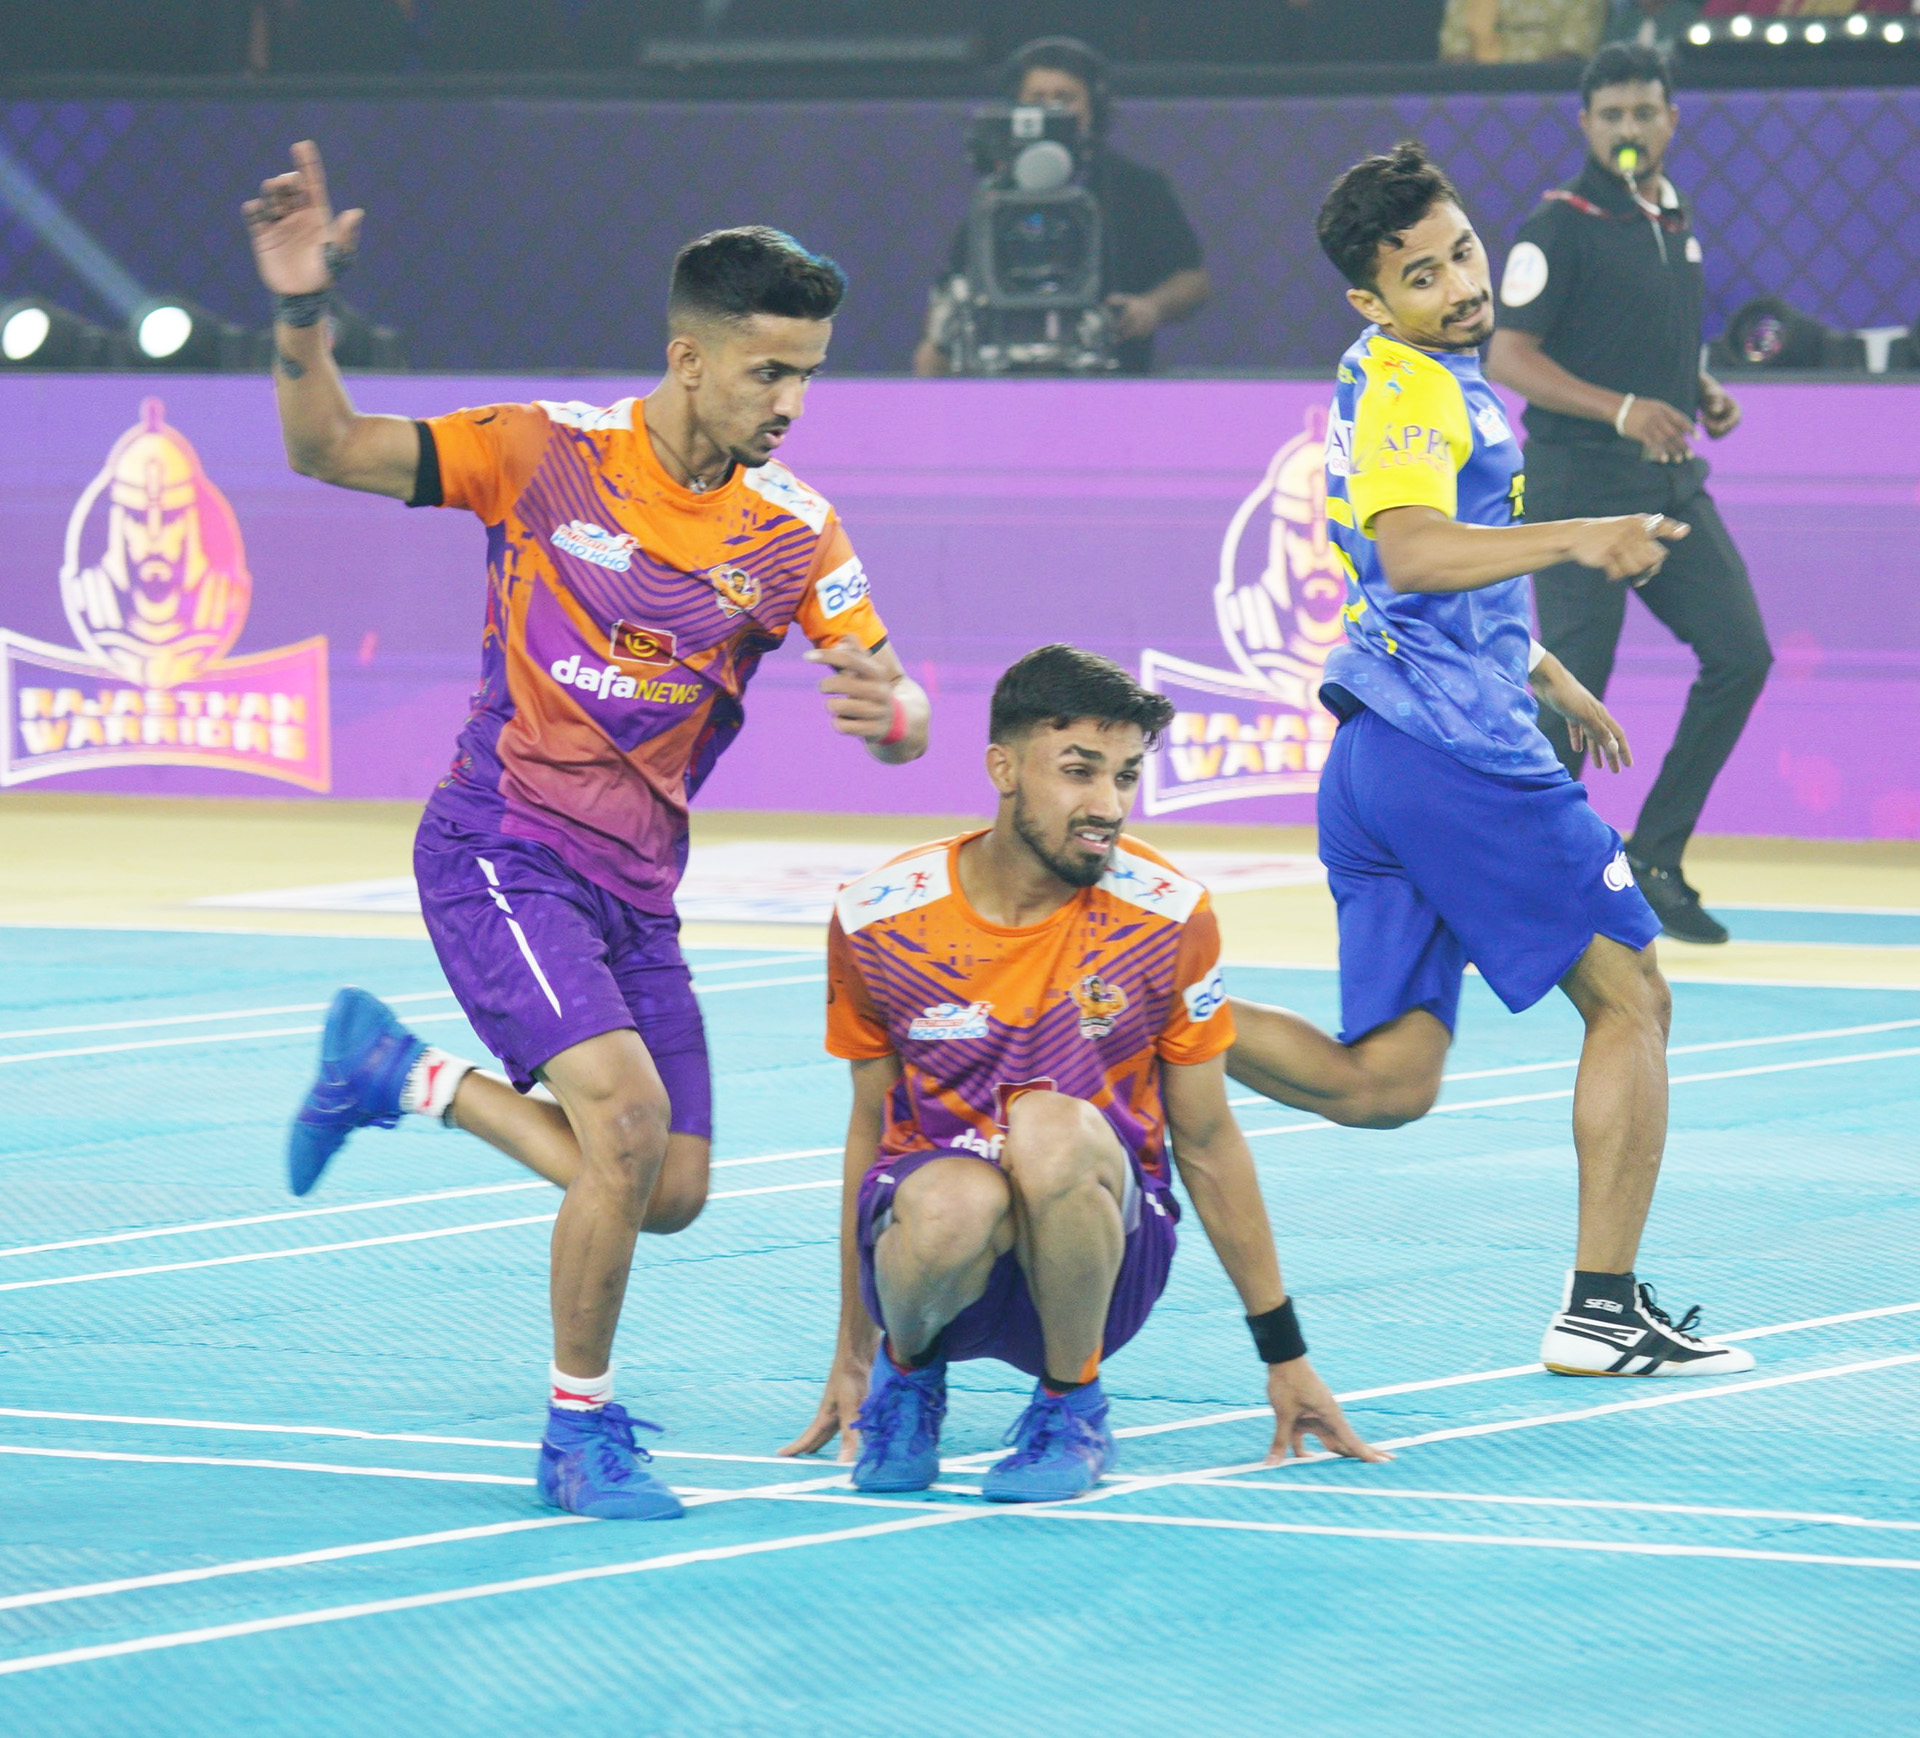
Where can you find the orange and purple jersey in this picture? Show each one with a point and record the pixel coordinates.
(1122, 978)
(626, 614)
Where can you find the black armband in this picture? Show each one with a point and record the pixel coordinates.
(1276, 1335)
(428, 490)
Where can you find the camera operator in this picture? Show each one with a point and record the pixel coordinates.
(1600, 327)
(1150, 257)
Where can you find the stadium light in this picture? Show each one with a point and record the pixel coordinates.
(36, 333)
(1857, 24)
(1700, 35)
(1895, 32)
(1776, 34)
(172, 332)
(1741, 27)
(1816, 33)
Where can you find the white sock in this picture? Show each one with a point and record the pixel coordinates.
(580, 1393)
(432, 1081)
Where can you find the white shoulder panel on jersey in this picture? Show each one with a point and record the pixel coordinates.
(894, 888)
(1141, 881)
(589, 417)
(773, 482)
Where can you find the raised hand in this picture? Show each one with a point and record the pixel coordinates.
(1304, 1406)
(1632, 546)
(293, 227)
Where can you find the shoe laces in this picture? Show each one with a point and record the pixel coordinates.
(1683, 1328)
(617, 1426)
(883, 1413)
(1048, 1420)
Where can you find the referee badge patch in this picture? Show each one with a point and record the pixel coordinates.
(1525, 276)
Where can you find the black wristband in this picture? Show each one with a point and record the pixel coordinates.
(306, 310)
(1276, 1335)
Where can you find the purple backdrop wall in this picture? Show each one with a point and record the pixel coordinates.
(993, 517)
(517, 235)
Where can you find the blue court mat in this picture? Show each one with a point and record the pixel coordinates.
(266, 1464)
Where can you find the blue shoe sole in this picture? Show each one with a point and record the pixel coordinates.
(356, 1021)
(896, 1482)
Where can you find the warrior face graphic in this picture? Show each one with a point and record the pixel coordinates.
(169, 591)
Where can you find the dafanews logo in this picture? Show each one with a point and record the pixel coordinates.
(1206, 998)
(610, 682)
(844, 587)
(947, 1020)
(595, 543)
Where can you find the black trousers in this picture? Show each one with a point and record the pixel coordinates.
(1702, 595)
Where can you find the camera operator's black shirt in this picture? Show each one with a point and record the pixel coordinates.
(1146, 238)
(1615, 297)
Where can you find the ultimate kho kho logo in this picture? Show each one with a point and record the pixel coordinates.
(1256, 730)
(155, 585)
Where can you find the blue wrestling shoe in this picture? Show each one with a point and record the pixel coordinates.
(1061, 1446)
(590, 1465)
(365, 1055)
(899, 1427)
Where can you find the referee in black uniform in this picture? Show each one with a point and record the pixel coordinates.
(1600, 330)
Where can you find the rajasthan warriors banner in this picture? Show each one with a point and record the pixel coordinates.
(155, 587)
(1256, 730)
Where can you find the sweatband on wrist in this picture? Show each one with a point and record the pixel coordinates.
(1620, 416)
(1535, 652)
(1276, 1335)
(302, 310)
(898, 728)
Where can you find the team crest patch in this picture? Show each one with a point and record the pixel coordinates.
(950, 1020)
(1618, 875)
(1100, 1003)
(651, 648)
(734, 589)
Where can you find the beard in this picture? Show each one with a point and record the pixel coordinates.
(1074, 868)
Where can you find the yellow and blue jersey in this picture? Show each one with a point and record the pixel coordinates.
(1412, 428)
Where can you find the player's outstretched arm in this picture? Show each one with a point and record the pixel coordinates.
(871, 696)
(858, 1336)
(1217, 1168)
(1423, 550)
(1591, 728)
(301, 248)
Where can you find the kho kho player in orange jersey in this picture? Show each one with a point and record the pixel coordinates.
(1038, 1032)
(641, 560)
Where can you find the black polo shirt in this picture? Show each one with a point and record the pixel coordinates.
(1145, 238)
(1615, 297)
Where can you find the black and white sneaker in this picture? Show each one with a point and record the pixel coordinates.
(1612, 1326)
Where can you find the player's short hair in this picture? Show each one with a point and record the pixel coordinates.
(733, 274)
(1626, 63)
(1377, 199)
(1056, 685)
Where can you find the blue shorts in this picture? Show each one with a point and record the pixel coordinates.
(1433, 864)
(541, 959)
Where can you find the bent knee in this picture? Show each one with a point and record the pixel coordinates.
(1056, 1142)
(673, 1208)
(953, 1211)
(1390, 1104)
(626, 1132)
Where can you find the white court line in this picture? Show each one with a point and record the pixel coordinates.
(292, 1560)
(312, 1031)
(341, 1431)
(1810, 1517)
(457, 1595)
(1534, 1369)
(365, 1242)
(202, 1019)
(367, 1472)
(322, 1007)
(1292, 1128)
(362, 1207)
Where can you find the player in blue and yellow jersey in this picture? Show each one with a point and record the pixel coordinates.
(1035, 1021)
(1450, 831)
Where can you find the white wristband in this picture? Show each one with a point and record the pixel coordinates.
(1535, 652)
(1620, 416)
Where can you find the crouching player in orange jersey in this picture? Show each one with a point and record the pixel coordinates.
(1031, 1011)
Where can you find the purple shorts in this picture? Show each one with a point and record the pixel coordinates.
(1002, 1322)
(542, 959)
